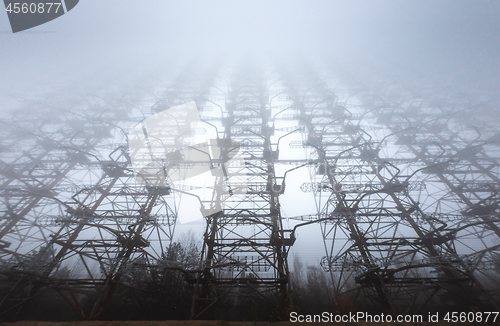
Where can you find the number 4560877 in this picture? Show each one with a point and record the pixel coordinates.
(40, 8)
(471, 317)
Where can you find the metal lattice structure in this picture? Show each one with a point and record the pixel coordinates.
(404, 186)
(405, 193)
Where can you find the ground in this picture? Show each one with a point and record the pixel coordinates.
(211, 323)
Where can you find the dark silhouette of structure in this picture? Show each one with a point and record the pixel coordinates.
(405, 188)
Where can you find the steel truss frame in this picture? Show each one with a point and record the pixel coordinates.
(406, 195)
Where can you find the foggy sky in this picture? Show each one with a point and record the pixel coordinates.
(112, 38)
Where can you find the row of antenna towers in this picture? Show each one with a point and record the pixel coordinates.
(404, 186)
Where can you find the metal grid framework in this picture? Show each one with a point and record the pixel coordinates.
(245, 245)
(405, 191)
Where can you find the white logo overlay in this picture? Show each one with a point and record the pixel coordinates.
(174, 149)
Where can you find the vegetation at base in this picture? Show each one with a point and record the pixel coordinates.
(160, 291)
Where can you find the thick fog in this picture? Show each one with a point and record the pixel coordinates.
(367, 111)
(119, 38)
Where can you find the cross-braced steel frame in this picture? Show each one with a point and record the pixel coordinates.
(404, 185)
(405, 194)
